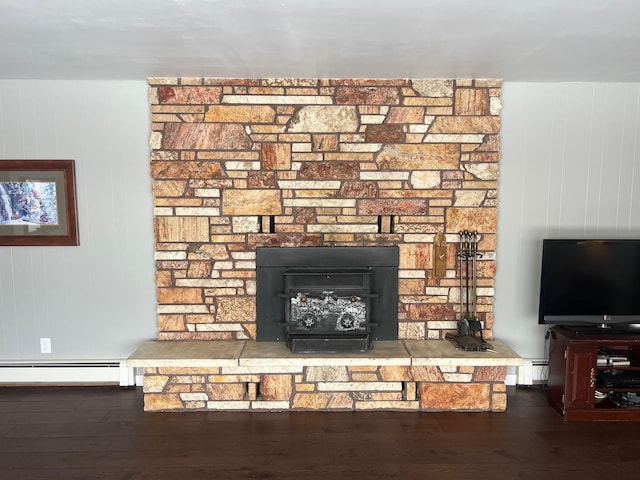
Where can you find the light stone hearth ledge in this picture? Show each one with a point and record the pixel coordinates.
(407, 375)
(248, 353)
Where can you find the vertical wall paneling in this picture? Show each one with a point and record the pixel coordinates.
(568, 169)
(97, 300)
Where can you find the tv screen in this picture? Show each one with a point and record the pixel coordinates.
(590, 282)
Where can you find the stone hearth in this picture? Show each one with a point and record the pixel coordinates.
(264, 376)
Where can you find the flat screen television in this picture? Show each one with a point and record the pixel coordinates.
(590, 283)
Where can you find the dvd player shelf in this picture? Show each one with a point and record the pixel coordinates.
(594, 374)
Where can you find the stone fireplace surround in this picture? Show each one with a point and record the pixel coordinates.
(242, 163)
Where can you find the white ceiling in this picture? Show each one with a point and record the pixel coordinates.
(516, 40)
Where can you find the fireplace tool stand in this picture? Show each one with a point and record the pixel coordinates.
(469, 331)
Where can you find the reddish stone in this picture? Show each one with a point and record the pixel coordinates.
(392, 207)
(205, 136)
(332, 170)
(367, 96)
(358, 190)
(384, 134)
(490, 374)
(283, 240)
(261, 179)
(276, 156)
(433, 311)
(325, 143)
(189, 95)
(304, 215)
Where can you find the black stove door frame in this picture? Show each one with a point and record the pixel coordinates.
(271, 262)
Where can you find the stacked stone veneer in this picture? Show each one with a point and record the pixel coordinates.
(358, 387)
(240, 163)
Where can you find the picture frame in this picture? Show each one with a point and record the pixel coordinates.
(38, 203)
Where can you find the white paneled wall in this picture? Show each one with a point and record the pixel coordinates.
(570, 167)
(97, 300)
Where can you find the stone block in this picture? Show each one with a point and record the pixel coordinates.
(240, 114)
(154, 383)
(188, 95)
(471, 101)
(154, 402)
(490, 374)
(251, 202)
(170, 296)
(276, 156)
(276, 387)
(473, 219)
(182, 229)
(236, 309)
(226, 391)
(324, 119)
(323, 401)
(419, 157)
(205, 136)
(455, 396)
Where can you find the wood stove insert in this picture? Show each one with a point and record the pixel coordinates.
(327, 299)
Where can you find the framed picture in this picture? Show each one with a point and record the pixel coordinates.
(38, 203)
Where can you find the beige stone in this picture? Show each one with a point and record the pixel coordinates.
(473, 219)
(327, 374)
(425, 179)
(240, 114)
(498, 402)
(154, 383)
(433, 88)
(182, 229)
(419, 157)
(405, 115)
(154, 402)
(457, 125)
(174, 188)
(323, 401)
(324, 119)
(469, 198)
(226, 391)
(395, 373)
(236, 309)
(251, 202)
(483, 171)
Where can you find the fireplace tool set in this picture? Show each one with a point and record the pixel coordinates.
(469, 334)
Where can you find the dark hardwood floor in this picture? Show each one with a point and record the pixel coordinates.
(102, 433)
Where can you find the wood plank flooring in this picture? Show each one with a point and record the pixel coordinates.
(102, 433)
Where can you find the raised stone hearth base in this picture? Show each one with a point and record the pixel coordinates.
(411, 375)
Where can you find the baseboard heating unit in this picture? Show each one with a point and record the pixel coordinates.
(72, 372)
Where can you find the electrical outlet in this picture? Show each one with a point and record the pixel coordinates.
(45, 345)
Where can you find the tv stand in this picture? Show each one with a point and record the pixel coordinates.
(580, 387)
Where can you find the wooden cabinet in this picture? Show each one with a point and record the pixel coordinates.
(578, 383)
